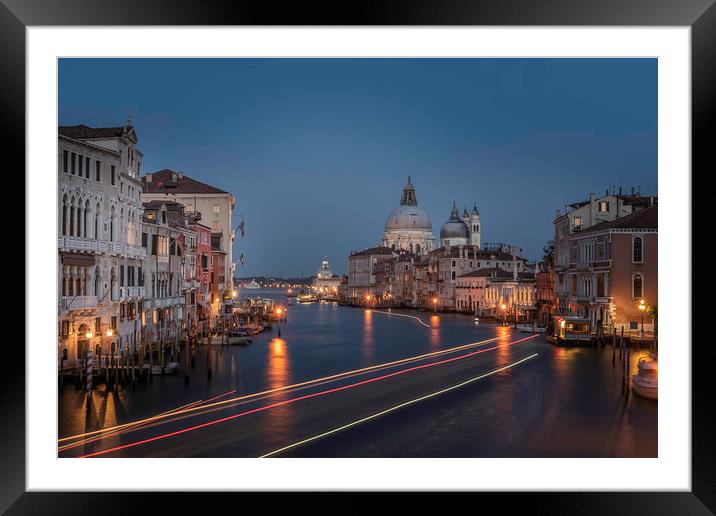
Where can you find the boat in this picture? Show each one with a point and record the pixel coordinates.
(571, 331)
(253, 284)
(529, 328)
(646, 382)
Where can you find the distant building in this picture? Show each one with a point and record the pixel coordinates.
(326, 284)
(202, 275)
(364, 270)
(461, 231)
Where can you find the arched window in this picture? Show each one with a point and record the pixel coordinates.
(111, 225)
(638, 286)
(96, 221)
(72, 217)
(638, 250)
(87, 214)
(64, 215)
(97, 283)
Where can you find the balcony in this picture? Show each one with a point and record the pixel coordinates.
(131, 292)
(78, 302)
(91, 245)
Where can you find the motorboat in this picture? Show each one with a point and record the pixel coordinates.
(252, 285)
(646, 382)
(571, 331)
(529, 328)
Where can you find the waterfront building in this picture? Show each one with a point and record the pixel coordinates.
(362, 269)
(202, 276)
(515, 292)
(213, 205)
(164, 308)
(326, 284)
(470, 291)
(544, 292)
(220, 295)
(578, 217)
(100, 259)
(612, 267)
(447, 263)
(408, 226)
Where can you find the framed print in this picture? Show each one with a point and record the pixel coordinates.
(416, 250)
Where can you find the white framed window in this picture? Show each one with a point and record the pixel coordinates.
(577, 222)
(637, 286)
(216, 209)
(637, 246)
(603, 206)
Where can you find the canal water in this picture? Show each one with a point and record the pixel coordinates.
(569, 403)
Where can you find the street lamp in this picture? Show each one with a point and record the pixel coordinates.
(504, 313)
(642, 308)
(279, 312)
(435, 305)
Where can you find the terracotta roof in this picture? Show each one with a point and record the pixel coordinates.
(374, 250)
(84, 132)
(163, 182)
(646, 218)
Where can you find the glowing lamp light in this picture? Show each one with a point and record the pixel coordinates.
(109, 332)
(279, 311)
(89, 335)
(435, 300)
(233, 293)
(504, 306)
(367, 298)
(562, 323)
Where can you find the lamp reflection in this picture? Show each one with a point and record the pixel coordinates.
(278, 372)
(434, 339)
(368, 344)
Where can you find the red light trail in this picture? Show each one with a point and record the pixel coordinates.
(300, 398)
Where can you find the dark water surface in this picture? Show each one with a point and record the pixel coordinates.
(562, 403)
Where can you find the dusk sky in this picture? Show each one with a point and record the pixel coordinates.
(316, 151)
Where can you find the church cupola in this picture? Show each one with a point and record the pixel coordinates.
(408, 198)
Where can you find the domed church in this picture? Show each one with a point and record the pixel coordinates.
(408, 227)
(461, 231)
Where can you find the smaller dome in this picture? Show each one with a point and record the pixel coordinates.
(454, 227)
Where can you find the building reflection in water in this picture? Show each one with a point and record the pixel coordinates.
(434, 332)
(368, 343)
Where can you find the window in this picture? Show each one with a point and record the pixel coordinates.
(144, 240)
(603, 206)
(154, 244)
(637, 250)
(638, 286)
(577, 222)
(112, 174)
(216, 209)
(189, 207)
(80, 164)
(87, 167)
(97, 170)
(72, 163)
(121, 275)
(65, 159)
(215, 225)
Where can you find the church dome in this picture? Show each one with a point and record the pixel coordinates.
(454, 227)
(408, 215)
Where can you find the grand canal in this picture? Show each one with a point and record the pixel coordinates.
(418, 385)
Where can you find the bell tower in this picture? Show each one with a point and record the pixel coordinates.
(474, 226)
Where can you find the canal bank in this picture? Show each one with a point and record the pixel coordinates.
(570, 396)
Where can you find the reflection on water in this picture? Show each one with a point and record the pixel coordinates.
(504, 337)
(368, 344)
(278, 372)
(434, 339)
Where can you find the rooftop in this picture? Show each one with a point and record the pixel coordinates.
(85, 132)
(169, 181)
(373, 251)
(646, 218)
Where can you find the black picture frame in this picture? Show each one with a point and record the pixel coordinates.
(700, 15)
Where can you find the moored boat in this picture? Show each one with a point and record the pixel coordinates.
(646, 382)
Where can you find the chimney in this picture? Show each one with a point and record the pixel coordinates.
(651, 200)
(180, 175)
(514, 263)
(148, 178)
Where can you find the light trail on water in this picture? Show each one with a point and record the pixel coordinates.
(394, 408)
(300, 398)
(403, 315)
(289, 388)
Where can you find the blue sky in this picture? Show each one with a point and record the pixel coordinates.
(316, 151)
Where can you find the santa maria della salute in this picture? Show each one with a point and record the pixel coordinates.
(409, 228)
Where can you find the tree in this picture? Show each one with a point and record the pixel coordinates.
(548, 254)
